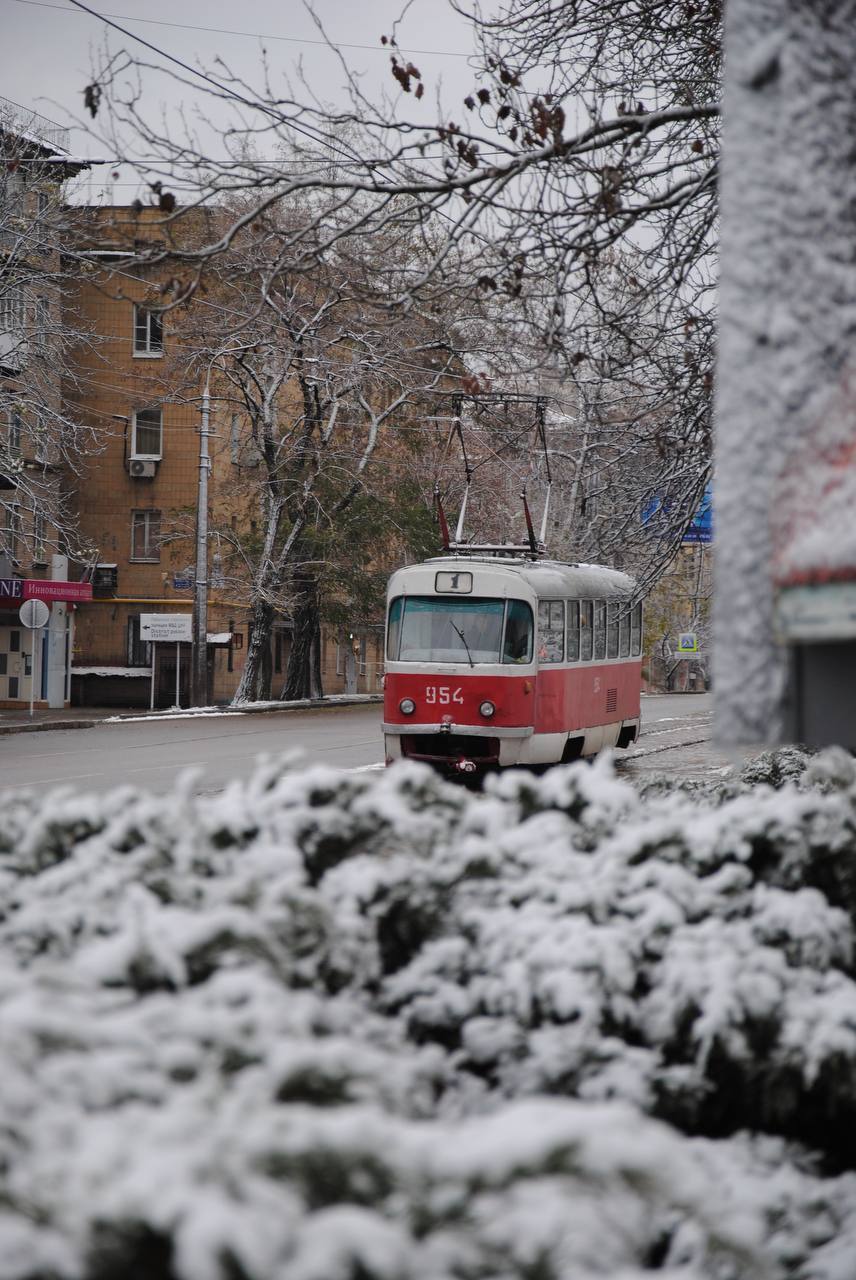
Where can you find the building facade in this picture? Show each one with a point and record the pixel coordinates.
(139, 387)
(38, 527)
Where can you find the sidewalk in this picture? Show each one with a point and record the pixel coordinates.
(19, 721)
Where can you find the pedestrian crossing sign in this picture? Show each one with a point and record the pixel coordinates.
(687, 642)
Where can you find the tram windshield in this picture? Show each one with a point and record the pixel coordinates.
(431, 629)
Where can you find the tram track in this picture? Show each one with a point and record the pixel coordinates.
(640, 752)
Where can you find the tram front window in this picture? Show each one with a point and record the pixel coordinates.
(428, 629)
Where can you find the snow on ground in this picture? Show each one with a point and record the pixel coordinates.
(177, 714)
(336, 1026)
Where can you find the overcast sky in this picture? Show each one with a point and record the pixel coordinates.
(48, 49)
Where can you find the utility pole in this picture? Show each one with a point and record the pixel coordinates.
(199, 692)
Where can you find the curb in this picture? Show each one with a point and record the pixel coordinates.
(253, 708)
(42, 726)
(249, 708)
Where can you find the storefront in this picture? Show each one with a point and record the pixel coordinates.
(37, 663)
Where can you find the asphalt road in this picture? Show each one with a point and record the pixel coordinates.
(151, 753)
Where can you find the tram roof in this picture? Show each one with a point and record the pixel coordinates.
(545, 577)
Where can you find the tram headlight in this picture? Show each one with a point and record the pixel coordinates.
(407, 706)
(487, 709)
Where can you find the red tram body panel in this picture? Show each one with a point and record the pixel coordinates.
(495, 661)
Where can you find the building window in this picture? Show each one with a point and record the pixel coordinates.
(11, 530)
(139, 651)
(11, 310)
(42, 318)
(145, 535)
(147, 433)
(14, 435)
(42, 202)
(14, 642)
(148, 332)
(39, 555)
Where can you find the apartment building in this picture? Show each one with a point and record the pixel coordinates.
(139, 388)
(37, 525)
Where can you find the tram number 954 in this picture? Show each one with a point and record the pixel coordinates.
(442, 694)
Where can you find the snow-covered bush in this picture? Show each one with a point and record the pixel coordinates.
(340, 1027)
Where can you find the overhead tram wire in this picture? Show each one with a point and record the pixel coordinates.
(251, 35)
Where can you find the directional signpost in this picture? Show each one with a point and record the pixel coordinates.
(167, 628)
(34, 615)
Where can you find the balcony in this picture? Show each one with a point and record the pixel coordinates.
(29, 126)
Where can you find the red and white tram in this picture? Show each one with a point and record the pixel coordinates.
(494, 661)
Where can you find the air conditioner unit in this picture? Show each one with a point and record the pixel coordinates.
(105, 579)
(142, 468)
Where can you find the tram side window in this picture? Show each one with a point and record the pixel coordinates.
(394, 629)
(586, 629)
(517, 646)
(573, 630)
(612, 629)
(551, 630)
(636, 630)
(599, 629)
(624, 630)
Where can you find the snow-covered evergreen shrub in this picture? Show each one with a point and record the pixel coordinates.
(329, 1026)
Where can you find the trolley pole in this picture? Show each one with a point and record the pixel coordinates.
(199, 691)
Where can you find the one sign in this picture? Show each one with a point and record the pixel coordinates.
(156, 628)
(687, 642)
(11, 589)
(34, 614)
(46, 589)
(457, 581)
(181, 583)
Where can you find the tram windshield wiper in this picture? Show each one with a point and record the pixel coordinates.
(464, 638)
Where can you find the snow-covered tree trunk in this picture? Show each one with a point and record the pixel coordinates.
(303, 676)
(255, 679)
(788, 316)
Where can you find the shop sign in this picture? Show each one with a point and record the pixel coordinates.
(11, 589)
(47, 589)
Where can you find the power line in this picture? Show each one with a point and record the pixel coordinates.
(256, 105)
(252, 35)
